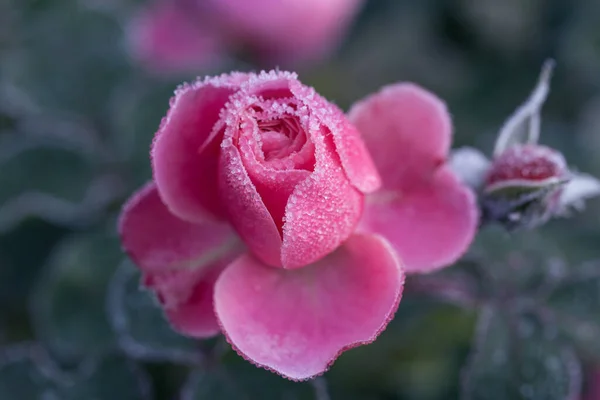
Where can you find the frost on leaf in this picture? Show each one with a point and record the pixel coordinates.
(519, 357)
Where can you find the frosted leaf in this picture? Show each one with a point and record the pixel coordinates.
(238, 379)
(26, 372)
(142, 330)
(575, 302)
(68, 310)
(515, 358)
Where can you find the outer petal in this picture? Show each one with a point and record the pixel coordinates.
(407, 131)
(430, 226)
(185, 154)
(297, 322)
(246, 210)
(179, 260)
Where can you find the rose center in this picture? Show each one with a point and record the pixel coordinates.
(280, 137)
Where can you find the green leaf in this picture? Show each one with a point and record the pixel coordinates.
(112, 378)
(575, 302)
(20, 377)
(138, 109)
(27, 373)
(238, 379)
(73, 68)
(518, 263)
(518, 357)
(54, 170)
(54, 181)
(141, 328)
(68, 306)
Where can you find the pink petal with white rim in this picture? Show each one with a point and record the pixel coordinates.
(175, 256)
(321, 212)
(185, 154)
(407, 130)
(297, 322)
(353, 153)
(430, 226)
(246, 210)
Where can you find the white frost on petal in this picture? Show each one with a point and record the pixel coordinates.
(523, 126)
(470, 165)
(580, 187)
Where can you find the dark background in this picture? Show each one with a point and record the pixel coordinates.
(77, 117)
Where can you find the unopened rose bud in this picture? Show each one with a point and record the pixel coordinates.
(525, 183)
(523, 186)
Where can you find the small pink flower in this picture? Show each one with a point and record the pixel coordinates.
(288, 31)
(264, 159)
(183, 35)
(166, 38)
(429, 216)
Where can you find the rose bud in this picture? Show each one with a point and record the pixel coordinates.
(525, 184)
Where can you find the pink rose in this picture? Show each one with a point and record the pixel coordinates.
(427, 214)
(166, 39)
(264, 159)
(287, 31)
(180, 35)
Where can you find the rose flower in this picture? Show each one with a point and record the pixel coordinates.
(254, 226)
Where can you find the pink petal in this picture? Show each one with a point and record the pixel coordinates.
(407, 130)
(167, 39)
(196, 316)
(185, 154)
(177, 258)
(246, 209)
(297, 322)
(321, 213)
(430, 225)
(353, 153)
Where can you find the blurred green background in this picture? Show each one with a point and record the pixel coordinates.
(76, 120)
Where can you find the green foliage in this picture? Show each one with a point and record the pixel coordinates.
(143, 332)
(68, 307)
(26, 373)
(237, 379)
(518, 356)
(575, 304)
